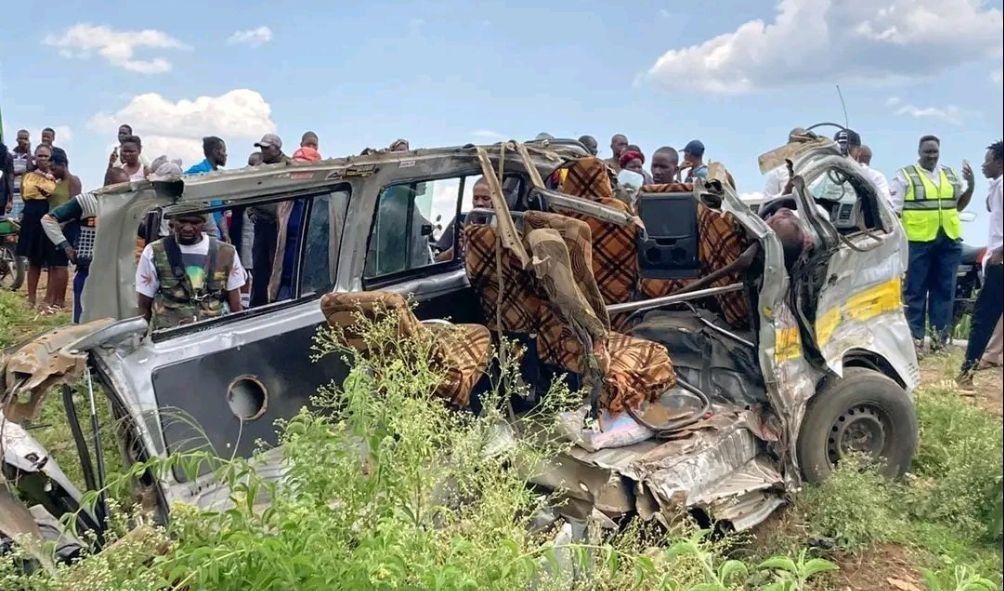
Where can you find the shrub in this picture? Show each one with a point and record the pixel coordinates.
(389, 489)
(855, 506)
(959, 461)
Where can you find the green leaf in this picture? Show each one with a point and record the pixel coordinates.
(733, 569)
(779, 563)
(816, 566)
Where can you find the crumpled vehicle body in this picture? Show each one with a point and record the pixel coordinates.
(222, 383)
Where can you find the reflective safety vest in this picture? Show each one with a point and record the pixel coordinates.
(927, 207)
(177, 302)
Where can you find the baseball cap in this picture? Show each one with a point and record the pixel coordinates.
(269, 139)
(694, 147)
(847, 137)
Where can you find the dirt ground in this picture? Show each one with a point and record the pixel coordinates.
(987, 392)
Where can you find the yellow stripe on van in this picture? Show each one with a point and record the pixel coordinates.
(787, 344)
(864, 305)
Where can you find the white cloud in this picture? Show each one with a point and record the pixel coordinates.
(997, 76)
(177, 128)
(252, 37)
(487, 134)
(950, 113)
(117, 47)
(830, 40)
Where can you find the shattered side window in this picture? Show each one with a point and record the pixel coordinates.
(848, 203)
(412, 224)
(322, 241)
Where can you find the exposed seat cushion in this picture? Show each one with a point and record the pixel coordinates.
(461, 351)
(640, 371)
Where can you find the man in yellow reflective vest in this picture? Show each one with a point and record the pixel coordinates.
(929, 197)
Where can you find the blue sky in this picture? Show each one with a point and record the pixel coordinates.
(737, 75)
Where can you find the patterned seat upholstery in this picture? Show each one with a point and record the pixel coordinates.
(559, 293)
(615, 260)
(722, 240)
(461, 351)
(519, 300)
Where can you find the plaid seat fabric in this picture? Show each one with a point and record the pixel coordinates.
(519, 302)
(466, 350)
(588, 178)
(461, 351)
(578, 241)
(615, 256)
(640, 371)
(558, 283)
(722, 241)
(668, 188)
(615, 260)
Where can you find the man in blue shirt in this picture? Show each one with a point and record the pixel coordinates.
(215, 150)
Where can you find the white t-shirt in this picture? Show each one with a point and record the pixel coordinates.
(147, 281)
(878, 179)
(776, 181)
(994, 203)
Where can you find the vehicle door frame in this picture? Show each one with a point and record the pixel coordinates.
(859, 304)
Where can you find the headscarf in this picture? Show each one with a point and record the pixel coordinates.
(629, 155)
(306, 154)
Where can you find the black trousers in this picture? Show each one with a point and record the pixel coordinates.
(266, 233)
(985, 315)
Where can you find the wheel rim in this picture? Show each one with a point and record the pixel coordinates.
(861, 429)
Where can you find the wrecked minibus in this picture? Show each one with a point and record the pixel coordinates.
(674, 304)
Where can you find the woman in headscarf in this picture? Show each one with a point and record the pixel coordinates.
(36, 186)
(632, 160)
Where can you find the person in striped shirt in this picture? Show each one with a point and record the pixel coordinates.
(83, 209)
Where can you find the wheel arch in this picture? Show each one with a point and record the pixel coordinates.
(874, 361)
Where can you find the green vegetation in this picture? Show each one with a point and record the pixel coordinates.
(18, 322)
(388, 489)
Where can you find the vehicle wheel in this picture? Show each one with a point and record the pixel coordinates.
(864, 412)
(11, 269)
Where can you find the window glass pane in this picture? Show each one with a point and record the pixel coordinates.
(848, 211)
(410, 224)
(323, 235)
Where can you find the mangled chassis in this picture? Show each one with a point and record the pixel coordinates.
(734, 467)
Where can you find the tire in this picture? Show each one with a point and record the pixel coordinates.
(864, 411)
(11, 269)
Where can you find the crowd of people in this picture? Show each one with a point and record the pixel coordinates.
(58, 223)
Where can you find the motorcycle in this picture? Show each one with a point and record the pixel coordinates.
(968, 281)
(12, 267)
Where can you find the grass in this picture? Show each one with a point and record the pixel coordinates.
(372, 518)
(18, 322)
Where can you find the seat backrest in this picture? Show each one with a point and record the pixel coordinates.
(722, 240)
(577, 237)
(345, 310)
(615, 260)
(519, 301)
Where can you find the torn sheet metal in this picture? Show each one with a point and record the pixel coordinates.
(720, 459)
(39, 365)
(768, 161)
(23, 452)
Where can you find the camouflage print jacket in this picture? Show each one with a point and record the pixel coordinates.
(177, 302)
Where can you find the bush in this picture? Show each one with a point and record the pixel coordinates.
(389, 489)
(959, 463)
(855, 506)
